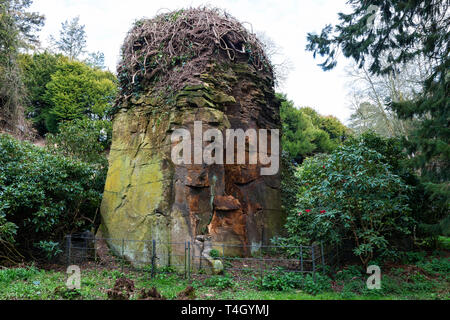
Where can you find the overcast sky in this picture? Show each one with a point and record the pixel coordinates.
(286, 22)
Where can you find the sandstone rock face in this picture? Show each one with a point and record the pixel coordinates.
(147, 196)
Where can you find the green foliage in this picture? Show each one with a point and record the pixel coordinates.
(406, 30)
(219, 282)
(214, 253)
(280, 280)
(305, 132)
(83, 139)
(77, 91)
(413, 256)
(9, 275)
(289, 183)
(168, 269)
(37, 72)
(63, 90)
(358, 39)
(49, 248)
(43, 196)
(17, 31)
(30, 283)
(436, 265)
(68, 294)
(8, 230)
(430, 210)
(350, 194)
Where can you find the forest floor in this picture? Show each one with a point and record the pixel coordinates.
(420, 275)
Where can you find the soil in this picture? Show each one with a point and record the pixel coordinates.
(151, 294)
(123, 289)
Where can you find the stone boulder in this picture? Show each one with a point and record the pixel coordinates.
(147, 196)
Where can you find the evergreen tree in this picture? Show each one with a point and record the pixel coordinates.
(77, 91)
(17, 30)
(37, 72)
(402, 31)
(306, 133)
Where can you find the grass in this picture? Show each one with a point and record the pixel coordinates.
(418, 276)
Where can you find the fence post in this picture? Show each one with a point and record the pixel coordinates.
(153, 258)
(323, 258)
(95, 251)
(69, 247)
(223, 256)
(185, 259)
(189, 261)
(261, 274)
(122, 256)
(301, 257)
(313, 257)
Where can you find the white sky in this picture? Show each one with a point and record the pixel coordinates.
(286, 22)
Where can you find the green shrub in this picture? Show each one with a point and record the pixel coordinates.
(320, 284)
(83, 139)
(436, 265)
(214, 253)
(350, 272)
(350, 194)
(43, 196)
(77, 91)
(167, 269)
(413, 256)
(51, 249)
(280, 280)
(219, 282)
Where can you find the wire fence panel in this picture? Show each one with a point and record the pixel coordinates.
(197, 261)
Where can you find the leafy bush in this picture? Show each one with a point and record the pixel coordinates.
(280, 280)
(305, 132)
(436, 265)
(62, 89)
(350, 272)
(83, 139)
(413, 256)
(219, 282)
(77, 91)
(214, 253)
(430, 205)
(167, 269)
(51, 249)
(350, 194)
(43, 196)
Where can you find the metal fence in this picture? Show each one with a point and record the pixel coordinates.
(192, 260)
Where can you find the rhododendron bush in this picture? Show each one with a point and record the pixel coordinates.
(350, 194)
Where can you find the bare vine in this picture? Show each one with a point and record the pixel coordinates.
(169, 49)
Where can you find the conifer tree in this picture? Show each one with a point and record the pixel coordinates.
(402, 31)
